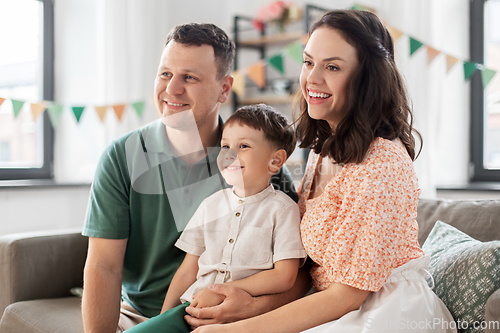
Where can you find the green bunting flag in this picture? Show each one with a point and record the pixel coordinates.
(469, 68)
(17, 106)
(139, 108)
(486, 76)
(54, 111)
(295, 51)
(78, 110)
(414, 45)
(276, 61)
(359, 7)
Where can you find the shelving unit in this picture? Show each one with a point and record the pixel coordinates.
(262, 42)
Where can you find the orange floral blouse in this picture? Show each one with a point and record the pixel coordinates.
(363, 225)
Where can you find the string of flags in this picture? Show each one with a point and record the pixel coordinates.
(55, 109)
(255, 73)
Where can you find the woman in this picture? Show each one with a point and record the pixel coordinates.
(359, 194)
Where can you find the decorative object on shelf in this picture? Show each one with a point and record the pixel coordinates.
(279, 12)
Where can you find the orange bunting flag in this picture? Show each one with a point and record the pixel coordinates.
(101, 111)
(238, 83)
(432, 53)
(119, 109)
(37, 109)
(1, 100)
(395, 33)
(450, 62)
(257, 74)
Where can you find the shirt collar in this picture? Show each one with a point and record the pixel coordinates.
(236, 200)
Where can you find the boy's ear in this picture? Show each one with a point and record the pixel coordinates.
(277, 161)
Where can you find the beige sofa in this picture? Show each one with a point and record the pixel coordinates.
(37, 271)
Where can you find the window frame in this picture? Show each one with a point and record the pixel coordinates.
(46, 170)
(478, 172)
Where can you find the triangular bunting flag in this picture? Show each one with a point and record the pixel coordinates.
(78, 111)
(37, 109)
(395, 33)
(486, 76)
(361, 7)
(450, 62)
(432, 53)
(101, 111)
(256, 74)
(469, 69)
(276, 61)
(54, 111)
(17, 106)
(139, 108)
(295, 51)
(1, 100)
(414, 45)
(119, 109)
(238, 83)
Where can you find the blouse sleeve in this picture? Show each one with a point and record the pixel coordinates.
(376, 225)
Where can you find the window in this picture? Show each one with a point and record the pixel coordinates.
(26, 74)
(485, 102)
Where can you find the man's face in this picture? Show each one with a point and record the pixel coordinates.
(187, 80)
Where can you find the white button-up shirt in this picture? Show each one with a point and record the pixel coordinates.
(238, 237)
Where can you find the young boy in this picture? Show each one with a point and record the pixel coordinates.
(248, 235)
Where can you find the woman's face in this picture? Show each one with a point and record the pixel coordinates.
(329, 63)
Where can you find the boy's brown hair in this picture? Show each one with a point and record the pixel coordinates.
(265, 118)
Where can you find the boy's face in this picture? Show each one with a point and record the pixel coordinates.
(245, 159)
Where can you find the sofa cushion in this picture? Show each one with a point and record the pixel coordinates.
(58, 315)
(465, 271)
(477, 218)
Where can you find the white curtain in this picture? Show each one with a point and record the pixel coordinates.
(107, 53)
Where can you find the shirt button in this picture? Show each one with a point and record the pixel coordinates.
(240, 201)
(231, 241)
(222, 272)
(238, 214)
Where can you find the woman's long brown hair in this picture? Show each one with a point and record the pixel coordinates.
(376, 101)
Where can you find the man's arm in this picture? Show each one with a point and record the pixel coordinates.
(239, 305)
(102, 284)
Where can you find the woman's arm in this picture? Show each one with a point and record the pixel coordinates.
(182, 280)
(239, 305)
(300, 315)
(271, 281)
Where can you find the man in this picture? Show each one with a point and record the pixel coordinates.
(150, 182)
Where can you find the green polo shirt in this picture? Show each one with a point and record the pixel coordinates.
(144, 193)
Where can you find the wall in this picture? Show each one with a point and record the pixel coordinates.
(26, 209)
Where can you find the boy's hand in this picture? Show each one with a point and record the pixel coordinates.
(206, 298)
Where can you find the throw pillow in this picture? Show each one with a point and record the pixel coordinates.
(465, 272)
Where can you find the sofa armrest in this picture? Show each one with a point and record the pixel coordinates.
(40, 265)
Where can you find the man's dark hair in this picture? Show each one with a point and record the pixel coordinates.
(265, 118)
(207, 34)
